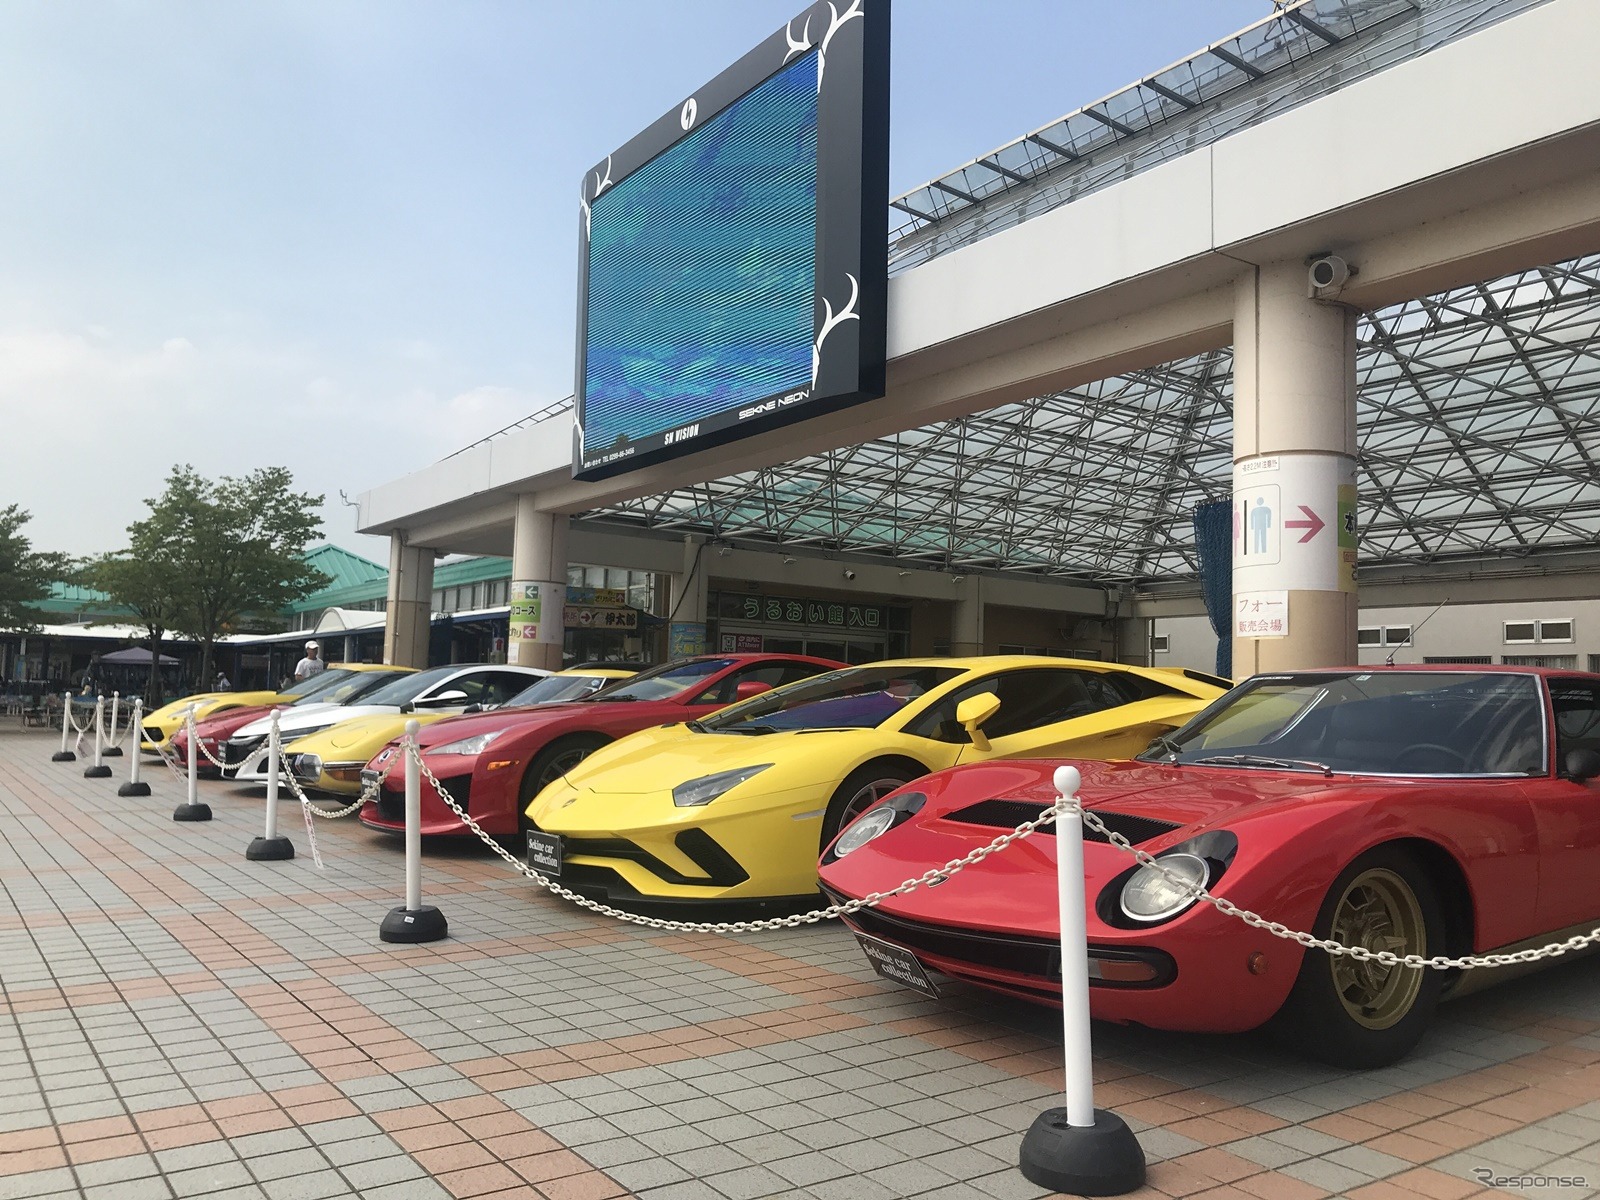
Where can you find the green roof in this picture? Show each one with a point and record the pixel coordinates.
(471, 570)
(353, 579)
(70, 598)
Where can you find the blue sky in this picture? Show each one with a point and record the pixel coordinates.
(342, 235)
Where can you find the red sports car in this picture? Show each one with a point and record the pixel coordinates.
(495, 763)
(1419, 810)
(336, 685)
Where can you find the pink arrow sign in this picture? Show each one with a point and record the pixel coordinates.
(1312, 527)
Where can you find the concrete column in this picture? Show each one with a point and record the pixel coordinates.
(351, 653)
(1294, 463)
(410, 609)
(966, 621)
(686, 632)
(538, 587)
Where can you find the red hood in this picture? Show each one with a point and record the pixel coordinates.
(642, 713)
(1182, 795)
(225, 724)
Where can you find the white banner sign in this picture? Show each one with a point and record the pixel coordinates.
(1261, 614)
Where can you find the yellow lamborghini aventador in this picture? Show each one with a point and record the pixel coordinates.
(737, 805)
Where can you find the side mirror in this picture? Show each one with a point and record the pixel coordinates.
(972, 712)
(1582, 765)
(748, 688)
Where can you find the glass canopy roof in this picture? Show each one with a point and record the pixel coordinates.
(1479, 419)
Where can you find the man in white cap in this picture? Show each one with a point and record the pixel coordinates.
(311, 664)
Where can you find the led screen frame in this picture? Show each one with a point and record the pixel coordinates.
(849, 40)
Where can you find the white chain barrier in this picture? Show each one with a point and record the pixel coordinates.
(927, 878)
(1065, 806)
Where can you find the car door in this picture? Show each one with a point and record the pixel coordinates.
(1568, 812)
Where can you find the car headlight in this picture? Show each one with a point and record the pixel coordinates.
(471, 745)
(862, 831)
(708, 787)
(308, 766)
(1152, 894)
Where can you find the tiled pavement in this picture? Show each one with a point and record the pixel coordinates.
(175, 1021)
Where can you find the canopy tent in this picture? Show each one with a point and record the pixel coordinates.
(134, 656)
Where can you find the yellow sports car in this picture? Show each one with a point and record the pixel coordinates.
(161, 724)
(738, 805)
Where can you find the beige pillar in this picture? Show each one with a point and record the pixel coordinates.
(686, 632)
(966, 621)
(1294, 462)
(538, 587)
(410, 608)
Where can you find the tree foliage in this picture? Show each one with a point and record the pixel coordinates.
(212, 551)
(25, 573)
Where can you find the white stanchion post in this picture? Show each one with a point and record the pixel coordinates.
(135, 786)
(416, 922)
(99, 770)
(191, 809)
(1079, 1149)
(116, 711)
(271, 846)
(64, 754)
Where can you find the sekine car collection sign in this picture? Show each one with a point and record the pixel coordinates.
(733, 256)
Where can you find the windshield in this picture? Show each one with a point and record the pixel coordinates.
(355, 685)
(408, 687)
(556, 688)
(1370, 722)
(859, 698)
(312, 684)
(667, 680)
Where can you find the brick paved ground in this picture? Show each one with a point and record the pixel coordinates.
(175, 1021)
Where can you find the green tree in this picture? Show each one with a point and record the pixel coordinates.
(144, 580)
(25, 573)
(231, 546)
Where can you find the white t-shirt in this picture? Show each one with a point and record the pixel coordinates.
(308, 666)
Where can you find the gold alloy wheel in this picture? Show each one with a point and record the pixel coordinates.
(1378, 911)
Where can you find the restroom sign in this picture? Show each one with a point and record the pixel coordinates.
(1294, 523)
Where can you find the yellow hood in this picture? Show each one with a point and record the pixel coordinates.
(657, 760)
(360, 737)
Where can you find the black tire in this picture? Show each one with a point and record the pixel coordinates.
(559, 756)
(848, 801)
(1361, 1016)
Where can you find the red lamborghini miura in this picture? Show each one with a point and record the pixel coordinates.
(1419, 810)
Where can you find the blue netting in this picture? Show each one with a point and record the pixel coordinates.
(1213, 540)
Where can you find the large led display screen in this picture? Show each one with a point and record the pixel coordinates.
(733, 255)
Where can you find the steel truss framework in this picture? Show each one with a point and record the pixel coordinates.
(1479, 418)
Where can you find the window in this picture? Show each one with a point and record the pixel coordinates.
(1576, 703)
(1556, 662)
(774, 675)
(1033, 698)
(1371, 636)
(1555, 631)
(1396, 635)
(1469, 659)
(1521, 631)
(1160, 643)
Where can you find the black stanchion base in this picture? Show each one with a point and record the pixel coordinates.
(425, 924)
(192, 812)
(134, 789)
(112, 752)
(1099, 1160)
(63, 756)
(273, 849)
(100, 772)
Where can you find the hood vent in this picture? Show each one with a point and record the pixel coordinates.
(1008, 814)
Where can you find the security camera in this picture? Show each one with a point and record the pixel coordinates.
(849, 574)
(1328, 273)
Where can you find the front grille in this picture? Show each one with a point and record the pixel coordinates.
(235, 750)
(392, 803)
(1038, 957)
(721, 868)
(1008, 814)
